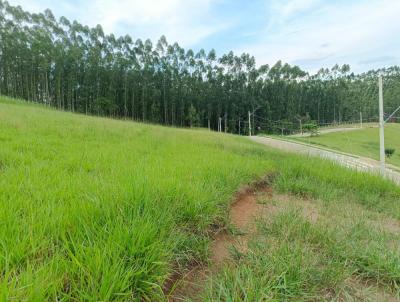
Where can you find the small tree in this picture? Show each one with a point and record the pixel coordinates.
(302, 120)
(312, 128)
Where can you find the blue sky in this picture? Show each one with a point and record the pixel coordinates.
(308, 33)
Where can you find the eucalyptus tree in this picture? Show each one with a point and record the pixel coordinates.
(78, 68)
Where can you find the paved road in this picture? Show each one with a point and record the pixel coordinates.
(323, 130)
(348, 160)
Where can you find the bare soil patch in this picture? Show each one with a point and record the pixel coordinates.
(249, 204)
(243, 214)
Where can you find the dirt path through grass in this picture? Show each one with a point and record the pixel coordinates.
(258, 204)
(243, 214)
(348, 160)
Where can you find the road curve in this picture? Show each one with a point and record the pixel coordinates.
(323, 130)
(348, 160)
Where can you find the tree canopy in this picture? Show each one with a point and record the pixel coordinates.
(81, 69)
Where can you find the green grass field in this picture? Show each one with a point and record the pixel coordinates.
(100, 209)
(364, 142)
(94, 209)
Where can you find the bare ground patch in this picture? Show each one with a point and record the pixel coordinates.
(277, 203)
(250, 204)
(243, 213)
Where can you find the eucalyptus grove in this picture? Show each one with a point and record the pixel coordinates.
(73, 67)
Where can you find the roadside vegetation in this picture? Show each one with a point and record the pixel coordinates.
(364, 142)
(98, 209)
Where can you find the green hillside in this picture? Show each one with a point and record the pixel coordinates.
(94, 209)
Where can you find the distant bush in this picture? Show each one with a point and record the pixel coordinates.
(312, 128)
(389, 152)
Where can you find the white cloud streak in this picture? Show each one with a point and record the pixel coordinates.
(315, 34)
(186, 22)
(179, 20)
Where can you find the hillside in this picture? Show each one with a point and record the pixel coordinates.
(98, 209)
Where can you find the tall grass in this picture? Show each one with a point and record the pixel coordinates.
(94, 209)
(349, 251)
(292, 259)
(97, 209)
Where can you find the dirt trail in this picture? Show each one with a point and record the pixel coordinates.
(243, 214)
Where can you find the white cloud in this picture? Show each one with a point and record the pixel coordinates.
(289, 8)
(179, 20)
(31, 6)
(184, 21)
(320, 35)
(36, 6)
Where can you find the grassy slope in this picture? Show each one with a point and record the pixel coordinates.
(363, 142)
(334, 238)
(97, 209)
(335, 258)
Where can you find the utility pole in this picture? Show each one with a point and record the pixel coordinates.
(249, 124)
(381, 127)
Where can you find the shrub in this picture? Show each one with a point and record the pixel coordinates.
(389, 152)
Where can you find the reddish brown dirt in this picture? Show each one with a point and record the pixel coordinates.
(220, 249)
(244, 209)
(243, 213)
